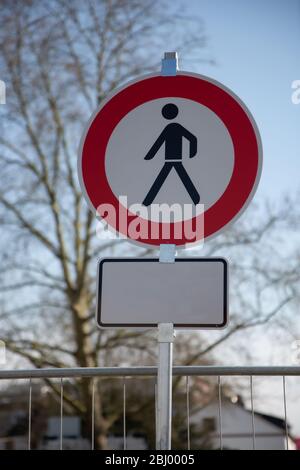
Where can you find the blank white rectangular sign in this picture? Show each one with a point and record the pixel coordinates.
(135, 292)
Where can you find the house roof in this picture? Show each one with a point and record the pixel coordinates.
(274, 420)
(280, 423)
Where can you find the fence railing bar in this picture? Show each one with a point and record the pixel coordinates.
(252, 413)
(149, 371)
(152, 371)
(285, 413)
(29, 414)
(61, 413)
(220, 411)
(93, 413)
(188, 412)
(124, 415)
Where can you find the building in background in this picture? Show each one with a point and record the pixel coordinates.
(237, 428)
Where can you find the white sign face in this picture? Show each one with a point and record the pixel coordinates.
(140, 129)
(190, 293)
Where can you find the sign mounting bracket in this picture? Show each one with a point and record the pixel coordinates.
(169, 64)
(167, 253)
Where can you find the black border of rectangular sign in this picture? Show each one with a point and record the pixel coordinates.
(154, 325)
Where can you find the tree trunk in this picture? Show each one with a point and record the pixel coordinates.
(86, 357)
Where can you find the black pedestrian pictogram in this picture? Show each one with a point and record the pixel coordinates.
(172, 136)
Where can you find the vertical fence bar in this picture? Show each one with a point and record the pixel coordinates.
(252, 413)
(220, 412)
(188, 412)
(156, 417)
(61, 413)
(124, 415)
(285, 413)
(93, 413)
(29, 414)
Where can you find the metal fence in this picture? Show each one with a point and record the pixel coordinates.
(128, 372)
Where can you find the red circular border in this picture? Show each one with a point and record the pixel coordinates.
(227, 108)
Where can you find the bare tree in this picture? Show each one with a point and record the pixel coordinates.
(59, 60)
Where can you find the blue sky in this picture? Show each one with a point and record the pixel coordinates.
(256, 45)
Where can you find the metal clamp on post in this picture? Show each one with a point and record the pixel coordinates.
(169, 64)
(166, 333)
(167, 253)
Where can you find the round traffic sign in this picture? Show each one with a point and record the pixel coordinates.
(162, 153)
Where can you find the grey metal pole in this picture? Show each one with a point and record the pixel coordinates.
(165, 338)
(164, 386)
(169, 67)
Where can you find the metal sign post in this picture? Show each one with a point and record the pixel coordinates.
(165, 338)
(164, 386)
(165, 331)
